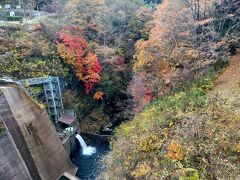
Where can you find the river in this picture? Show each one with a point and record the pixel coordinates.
(89, 166)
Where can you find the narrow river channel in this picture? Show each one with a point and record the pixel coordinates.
(88, 165)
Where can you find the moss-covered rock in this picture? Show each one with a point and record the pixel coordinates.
(95, 121)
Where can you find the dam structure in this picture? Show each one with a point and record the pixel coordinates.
(52, 91)
(30, 148)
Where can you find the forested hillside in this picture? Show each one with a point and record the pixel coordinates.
(89, 44)
(148, 71)
(189, 130)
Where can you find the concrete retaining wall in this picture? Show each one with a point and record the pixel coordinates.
(70, 145)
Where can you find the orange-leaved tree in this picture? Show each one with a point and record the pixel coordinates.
(74, 50)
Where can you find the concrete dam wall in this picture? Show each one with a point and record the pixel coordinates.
(11, 164)
(35, 138)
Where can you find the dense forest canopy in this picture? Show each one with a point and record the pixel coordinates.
(88, 43)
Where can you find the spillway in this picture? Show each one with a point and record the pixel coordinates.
(86, 150)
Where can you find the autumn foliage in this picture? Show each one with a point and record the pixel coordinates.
(74, 50)
(175, 151)
(98, 95)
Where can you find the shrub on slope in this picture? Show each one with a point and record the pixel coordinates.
(185, 135)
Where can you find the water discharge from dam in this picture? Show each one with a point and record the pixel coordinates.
(89, 167)
(86, 150)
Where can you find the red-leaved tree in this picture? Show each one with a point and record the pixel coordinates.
(74, 50)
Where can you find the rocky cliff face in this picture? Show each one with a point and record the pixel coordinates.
(33, 134)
